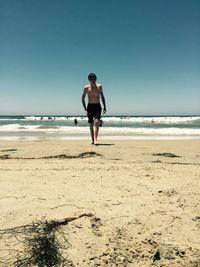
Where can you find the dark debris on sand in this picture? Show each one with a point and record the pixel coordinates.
(9, 150)
(166, 154)
(82, 155)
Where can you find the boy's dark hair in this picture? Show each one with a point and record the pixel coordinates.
(92, 75)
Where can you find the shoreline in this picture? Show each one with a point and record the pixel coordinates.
(101, 138)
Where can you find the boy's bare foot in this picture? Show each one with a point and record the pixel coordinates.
(95, 143)
(91, 143)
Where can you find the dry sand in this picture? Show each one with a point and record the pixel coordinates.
(146, 208)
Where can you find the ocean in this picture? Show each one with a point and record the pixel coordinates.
(114, 127)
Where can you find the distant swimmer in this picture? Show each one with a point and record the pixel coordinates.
(100, 123)
(75, 122)
(94, 109)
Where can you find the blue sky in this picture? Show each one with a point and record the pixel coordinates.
(145, 53)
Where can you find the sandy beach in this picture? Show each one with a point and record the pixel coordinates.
(142, 198)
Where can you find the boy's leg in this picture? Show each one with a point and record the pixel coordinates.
(97, 120)
(96, 130)
(92, 131)
(91, 122)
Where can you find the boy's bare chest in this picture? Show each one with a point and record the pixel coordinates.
(93, 91)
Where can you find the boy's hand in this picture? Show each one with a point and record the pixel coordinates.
(104, 110)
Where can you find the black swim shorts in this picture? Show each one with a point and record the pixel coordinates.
(93, 111)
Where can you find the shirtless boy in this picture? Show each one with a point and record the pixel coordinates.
(94, 92)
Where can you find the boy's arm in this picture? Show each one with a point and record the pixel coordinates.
(83, 98)
(103, 99)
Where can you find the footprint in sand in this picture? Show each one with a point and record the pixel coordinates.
(96, 224)
(168, 192)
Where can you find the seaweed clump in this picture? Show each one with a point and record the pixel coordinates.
(43, 243)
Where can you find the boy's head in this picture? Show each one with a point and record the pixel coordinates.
(92, 77)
